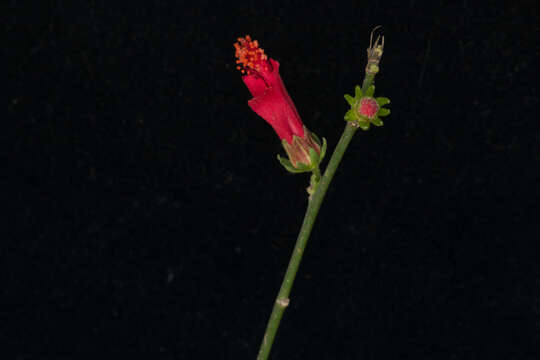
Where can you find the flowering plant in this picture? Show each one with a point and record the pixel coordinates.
(272, 102)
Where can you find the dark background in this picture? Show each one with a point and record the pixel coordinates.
(147, 213)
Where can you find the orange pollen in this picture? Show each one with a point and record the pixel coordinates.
(250, 56)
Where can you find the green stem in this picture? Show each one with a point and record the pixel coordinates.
(317, 174)
(314, 205)
(368, 81)
(375, 52)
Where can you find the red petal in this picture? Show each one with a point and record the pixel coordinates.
(272, 102)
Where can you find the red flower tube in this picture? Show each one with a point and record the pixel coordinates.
(272, 102)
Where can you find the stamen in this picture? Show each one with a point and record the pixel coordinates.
(250, 56)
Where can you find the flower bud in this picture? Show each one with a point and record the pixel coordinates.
(365, 109)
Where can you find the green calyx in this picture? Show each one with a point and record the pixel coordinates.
(354, 115)
(305, 155)
(312, 158)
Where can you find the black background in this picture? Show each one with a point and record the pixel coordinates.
(147, 213)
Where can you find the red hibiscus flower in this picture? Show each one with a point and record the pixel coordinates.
(272, 102)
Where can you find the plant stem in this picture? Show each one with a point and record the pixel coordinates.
(368, 81)
(314, 205)
(375, 52)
